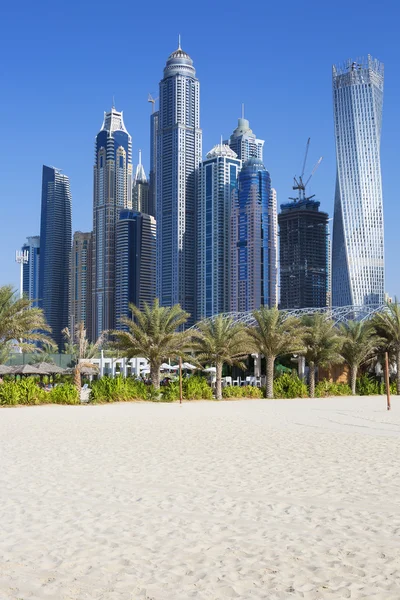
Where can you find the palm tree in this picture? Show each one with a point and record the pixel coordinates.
(19, 321)
(153, 333)
(360, 345)
(387, 325)
(81, 350)
(322, 343)
(273, 335)
(220, 341)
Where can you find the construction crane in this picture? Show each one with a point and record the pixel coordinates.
(153, 102)
(299, 182)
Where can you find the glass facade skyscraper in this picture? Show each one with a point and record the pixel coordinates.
(244, 142)
(179, 153)
(136, 262)
(140, 189)
(153, 164)
(218, 177)
(112, 193)
(81, 282)
(55, 250)
(30, 285)
(251, 279)
(358, 240)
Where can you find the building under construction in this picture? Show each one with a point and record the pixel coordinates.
(303, 243)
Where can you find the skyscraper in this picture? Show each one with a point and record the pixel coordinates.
(81, 282)
(218, 177)
(112, 193)
(153, 162)
(55, 250)
(140, 189)
(31, 269)
(244, 142)
(251, 280)
(358, 245)
(303, 239)
(178, 158)
(136, 262)
(272, 249)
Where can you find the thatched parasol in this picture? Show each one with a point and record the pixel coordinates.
(28, 370)
(50, 368)
(5, 370)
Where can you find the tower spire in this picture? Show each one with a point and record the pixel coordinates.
(242, 110)
(140, 157)
(179, 42)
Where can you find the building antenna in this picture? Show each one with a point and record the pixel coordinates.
(179, 42)
(140, 157)
(242, 110)
(221, 142)
(113, 103)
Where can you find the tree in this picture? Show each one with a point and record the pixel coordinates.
(81, 350)
(322, 343)
(220, 341)
(360, 345)
(274, 334)
(387, 325)
(21, 323)
(153, 334)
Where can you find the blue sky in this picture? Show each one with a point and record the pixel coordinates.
(62, 63)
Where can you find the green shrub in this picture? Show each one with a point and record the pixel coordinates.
(64, 393)
(170, 392)
(196, 388)
(325, 388)
(289, 386)
(245, 391)
(10, 393)
(367, 386)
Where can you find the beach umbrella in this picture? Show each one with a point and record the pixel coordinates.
(175, 368)
(28, 370)
(166, 367)
(188, 366)
(50, 368)
(210, 370)
(5, 370)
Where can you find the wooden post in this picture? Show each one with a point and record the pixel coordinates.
(387, 380)
(180, 380)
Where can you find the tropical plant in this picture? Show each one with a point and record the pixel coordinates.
(274, 334)
(81, 350)
(366, 385)
(387, 325)
(325, 388)
(196, 388)
(322, 343)
(243, 391)
(153, 333)
(64, 393)
(289, 386)
(359, 346)
(220, 341)
(20, 322)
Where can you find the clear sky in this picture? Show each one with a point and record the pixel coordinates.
(62, 63)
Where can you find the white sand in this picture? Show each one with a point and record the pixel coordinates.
(251, 499)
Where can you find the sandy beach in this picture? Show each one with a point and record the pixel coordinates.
(248, 499)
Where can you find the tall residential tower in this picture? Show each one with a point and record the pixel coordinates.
(112, 193)
(179, 139)
(358, 245)
(218, 177)
(55, 250)
(244, 142)
(30, 285)
(81, 282)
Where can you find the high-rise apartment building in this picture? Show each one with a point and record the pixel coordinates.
(303, 242)
(272, 249)
(112, 193)
(140, 189)
(81, 282)
(218, 178)
(179, 151)
(244, 142)
(55, 250)
(30, 286)
(153, 163)
(358, 244)
(136, 262)
(251, 280)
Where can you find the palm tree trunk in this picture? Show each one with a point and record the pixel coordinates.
(353, 378)
(218, 380)
(77, 377)
(270, 376)
(155, 374)
(398, 372)
(312, 378)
